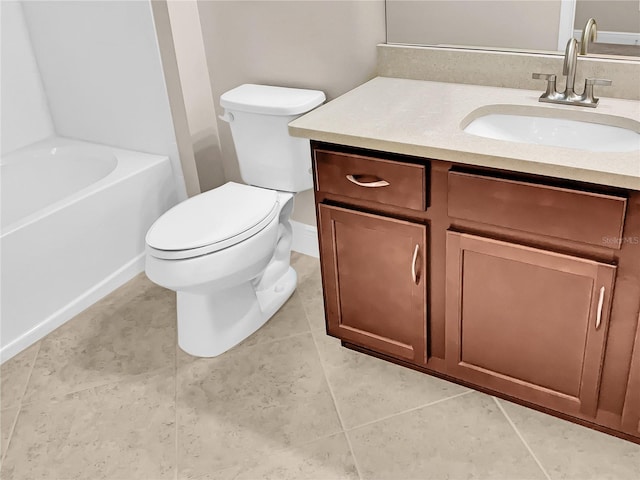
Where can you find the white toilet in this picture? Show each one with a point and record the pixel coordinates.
(226, 252)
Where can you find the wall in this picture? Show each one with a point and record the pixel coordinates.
(103, 75)
(196, 91)
(25, 114)
(325, 45)
(610, 15)
(526, 24)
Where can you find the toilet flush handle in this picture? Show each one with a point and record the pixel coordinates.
(227, 117)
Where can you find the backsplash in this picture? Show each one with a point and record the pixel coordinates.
(504, 69)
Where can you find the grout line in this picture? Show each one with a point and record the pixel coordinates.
(410, 410)
(175, 404)
(33, 366)
(60, 397)
(19, 405)
(353, 455)
(335, 405)
(526, 445)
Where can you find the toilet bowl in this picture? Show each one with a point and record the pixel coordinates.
(231, 270)
(226, 252)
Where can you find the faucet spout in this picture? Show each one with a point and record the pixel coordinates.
(589, 34)
(569, 67)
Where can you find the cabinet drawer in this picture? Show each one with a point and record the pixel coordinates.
(365, 178)
(575, 215)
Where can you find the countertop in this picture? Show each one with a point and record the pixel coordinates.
(423, 118)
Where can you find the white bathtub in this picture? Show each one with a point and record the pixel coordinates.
(73, 220)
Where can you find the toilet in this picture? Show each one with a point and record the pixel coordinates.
(226, 252)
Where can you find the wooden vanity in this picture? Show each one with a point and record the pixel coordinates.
(523, 286)
(509, 267)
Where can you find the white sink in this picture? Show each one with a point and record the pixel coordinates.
(553, 127)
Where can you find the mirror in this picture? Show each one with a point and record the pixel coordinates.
(515, 25)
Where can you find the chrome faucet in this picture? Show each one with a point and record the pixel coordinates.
(589, 34)
(569, 96)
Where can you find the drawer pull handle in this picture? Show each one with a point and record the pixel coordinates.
(379, 183)
(599, 313)
(414, 274)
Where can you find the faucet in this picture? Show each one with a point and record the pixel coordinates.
(569, 96)
(569, 69)
(589, 34)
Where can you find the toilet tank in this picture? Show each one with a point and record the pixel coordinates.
(268, 156)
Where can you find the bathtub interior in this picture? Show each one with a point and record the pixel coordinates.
(37, 176)
(59, 259)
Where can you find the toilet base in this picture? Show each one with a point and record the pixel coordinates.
(210, 324)
(273, 298)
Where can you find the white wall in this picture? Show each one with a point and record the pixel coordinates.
(102, 73)
(25, 116)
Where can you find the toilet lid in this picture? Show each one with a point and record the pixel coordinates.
(211, 221)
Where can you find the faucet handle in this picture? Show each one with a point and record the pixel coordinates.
(598, 81)
(587, 96)
(551, 84)
(543, 76)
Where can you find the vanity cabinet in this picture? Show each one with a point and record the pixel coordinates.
(373, 268)
(631, 412)
(527, 322)
(374, 265)
(521, 286)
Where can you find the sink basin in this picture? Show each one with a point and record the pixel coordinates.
(542, 126)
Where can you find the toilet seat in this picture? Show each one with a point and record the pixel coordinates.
(211, 221)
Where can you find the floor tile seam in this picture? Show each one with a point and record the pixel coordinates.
(335, 405)
(255, 457)
(11, 431)
(33, 366)
(409, 410)
(353, 455)
(175, 402)
(20, 403)
(61, 399)
(522, 439)
(306, 314)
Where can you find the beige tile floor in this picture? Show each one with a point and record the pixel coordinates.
(109, 396)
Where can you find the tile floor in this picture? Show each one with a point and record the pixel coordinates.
(109, 396)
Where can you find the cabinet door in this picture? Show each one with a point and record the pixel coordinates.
(527, 322)
(374, 275)
(631, 412)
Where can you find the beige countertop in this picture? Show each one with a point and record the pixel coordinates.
(422, 118)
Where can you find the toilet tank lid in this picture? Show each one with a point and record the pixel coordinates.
(271, 100)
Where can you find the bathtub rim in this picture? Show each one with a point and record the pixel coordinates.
(122, 171)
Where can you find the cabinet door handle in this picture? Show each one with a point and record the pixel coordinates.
(599, 313)
(379, 183)
(414, 274)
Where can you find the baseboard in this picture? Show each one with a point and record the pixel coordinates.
(66, 313)
(305, 239)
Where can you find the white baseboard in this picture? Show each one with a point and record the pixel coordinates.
(66, 313)
(621, 38)
(305, 239)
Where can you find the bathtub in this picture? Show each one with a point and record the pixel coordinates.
(73, 217)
